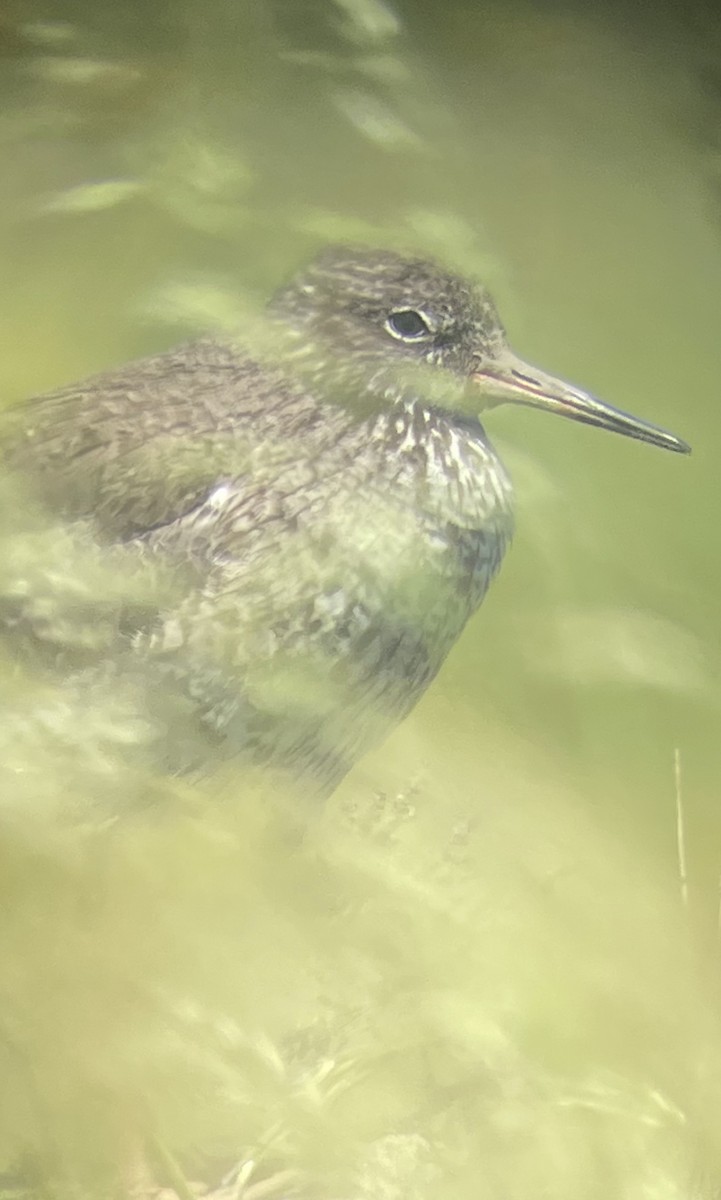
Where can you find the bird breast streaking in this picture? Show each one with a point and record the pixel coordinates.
(321, 490)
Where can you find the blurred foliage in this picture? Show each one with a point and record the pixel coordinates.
(424, 993)
(473, 976)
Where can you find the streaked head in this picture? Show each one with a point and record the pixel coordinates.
(396, 325)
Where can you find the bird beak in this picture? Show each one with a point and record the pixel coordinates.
(510, 379)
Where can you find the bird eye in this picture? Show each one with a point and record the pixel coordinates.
(408, 325)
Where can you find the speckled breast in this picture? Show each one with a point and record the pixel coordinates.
(348, 590)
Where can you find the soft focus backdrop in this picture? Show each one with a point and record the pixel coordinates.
(478, 976)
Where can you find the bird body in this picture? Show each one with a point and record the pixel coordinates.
(328, 496)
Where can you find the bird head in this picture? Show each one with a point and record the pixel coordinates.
(374, 323)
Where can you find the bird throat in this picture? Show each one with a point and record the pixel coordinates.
(458, 476)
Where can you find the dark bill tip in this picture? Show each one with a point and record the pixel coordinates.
(515, 382)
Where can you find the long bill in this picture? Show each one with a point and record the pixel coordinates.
(513, 381)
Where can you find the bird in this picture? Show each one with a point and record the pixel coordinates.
(322, 490)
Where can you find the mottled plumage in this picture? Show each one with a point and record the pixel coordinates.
(323, 490)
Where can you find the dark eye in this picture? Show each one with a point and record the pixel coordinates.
(408, 325)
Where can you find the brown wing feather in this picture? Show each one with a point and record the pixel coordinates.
(140, 447)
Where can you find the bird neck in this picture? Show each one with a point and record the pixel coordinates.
(448, 461)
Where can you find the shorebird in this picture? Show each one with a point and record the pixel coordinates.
(324, 490)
